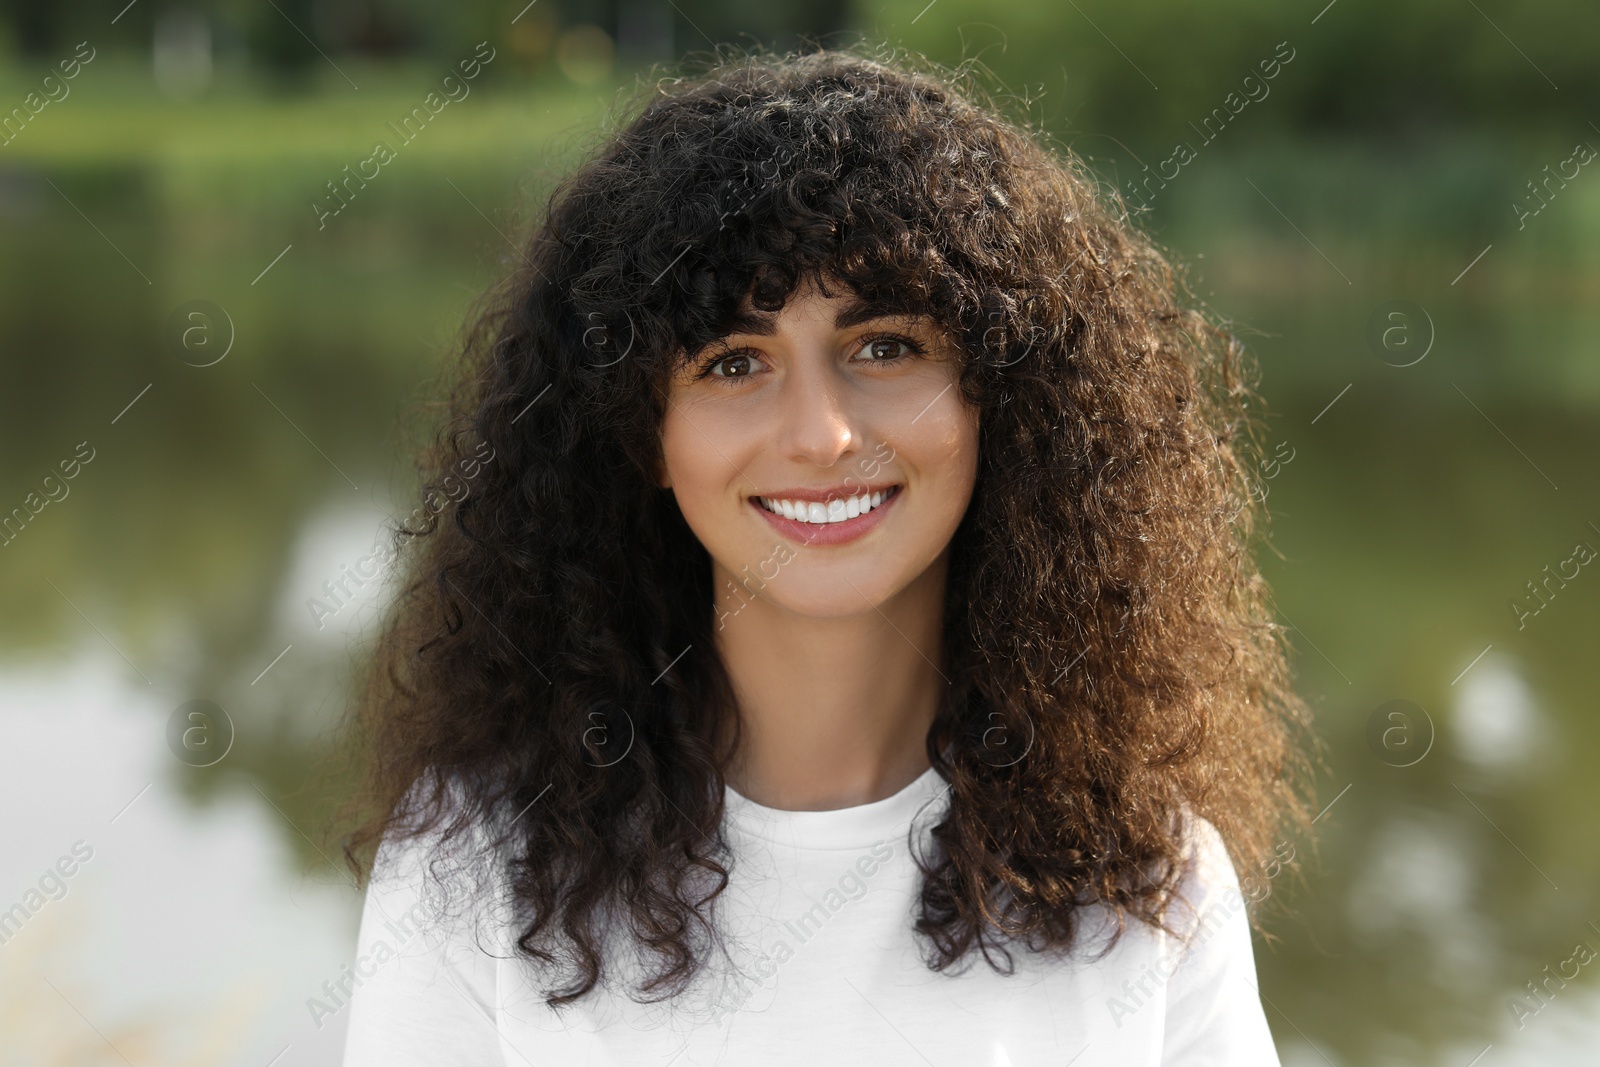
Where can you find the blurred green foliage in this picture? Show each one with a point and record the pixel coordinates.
(286, 38)
(1393, 70)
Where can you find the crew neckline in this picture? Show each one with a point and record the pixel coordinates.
(854, 827)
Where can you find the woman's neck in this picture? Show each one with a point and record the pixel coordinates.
(835, 711)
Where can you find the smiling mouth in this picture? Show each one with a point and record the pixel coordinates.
(839, 509)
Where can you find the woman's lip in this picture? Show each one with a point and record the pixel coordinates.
(828, 533)
(824, 495)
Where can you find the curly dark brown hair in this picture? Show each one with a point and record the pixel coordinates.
(1114, 661)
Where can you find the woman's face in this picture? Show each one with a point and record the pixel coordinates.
(825, 464)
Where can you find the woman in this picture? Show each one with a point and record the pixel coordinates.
(846, 576)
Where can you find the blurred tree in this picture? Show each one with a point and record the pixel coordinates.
(1143, 71)
(1149, 70)
(39, 30)
(276, 33)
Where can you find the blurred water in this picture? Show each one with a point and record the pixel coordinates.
(190, 934)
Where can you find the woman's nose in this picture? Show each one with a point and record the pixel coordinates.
(818, 420)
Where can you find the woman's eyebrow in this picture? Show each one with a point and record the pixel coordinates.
(852, 313)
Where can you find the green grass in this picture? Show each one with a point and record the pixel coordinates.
(113, 119)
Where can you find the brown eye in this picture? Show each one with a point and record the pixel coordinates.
(882, 349)
(737, 365)
(741, 362)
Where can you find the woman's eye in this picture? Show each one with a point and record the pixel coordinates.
(739, 366)
(883, 349)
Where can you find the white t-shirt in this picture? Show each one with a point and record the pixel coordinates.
(823, 967)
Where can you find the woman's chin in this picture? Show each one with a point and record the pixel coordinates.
(837, 595)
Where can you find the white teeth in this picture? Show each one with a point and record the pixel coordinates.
(836, 510)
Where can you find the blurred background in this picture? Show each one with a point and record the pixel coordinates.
(216, 353)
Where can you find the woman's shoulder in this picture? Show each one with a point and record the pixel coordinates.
(441, 854)
(434, 817)
(1205, 850)
(1207, 893)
